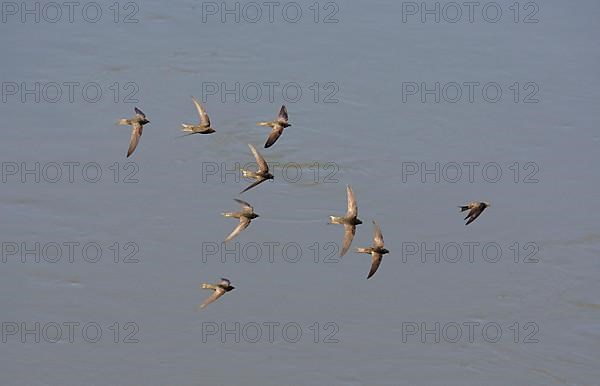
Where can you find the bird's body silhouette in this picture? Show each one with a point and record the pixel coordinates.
(277, 125)
(376, 250)
(219, 289)
(261, 175)
(475, 209)
(246, 215)
(201, 128)
(349, 221)
(137, 126)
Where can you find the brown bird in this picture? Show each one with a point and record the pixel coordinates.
(277, 126)
(137, 125)
(475, 209)
(376, 250)
(350, 221)
(245, 216)
(219, 289)
(261, 175)
(203, 127)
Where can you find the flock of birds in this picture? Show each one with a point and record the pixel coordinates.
(246, 214)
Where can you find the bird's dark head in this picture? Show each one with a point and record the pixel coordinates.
(358, 222)
(254, 215)
(269, 176)
(230, 288)
(384, 251)
(145, 121)
(486, 204)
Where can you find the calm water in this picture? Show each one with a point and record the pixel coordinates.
(548, 311)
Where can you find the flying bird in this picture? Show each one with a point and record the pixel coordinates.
(137, 125)
(376, 250)
(277, 126)
(246, 215)
(350, 221)
(201, 128)
(475, 209)
(261, 175)
(219, 290)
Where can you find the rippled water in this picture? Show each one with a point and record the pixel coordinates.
(367, 139)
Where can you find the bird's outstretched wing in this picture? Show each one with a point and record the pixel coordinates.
(349, 231)
(244, 222)
(473, 214)
(260, 161)
(246, 207)
(215, 295)
(225, 282)
(139, 112)
(377, 236)
(136, 133)
(274, 136)
(375, 262)
(283, 114)
(257, 182)
(352, 208)
(204, 119)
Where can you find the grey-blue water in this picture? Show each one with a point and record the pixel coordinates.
(375, 134)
